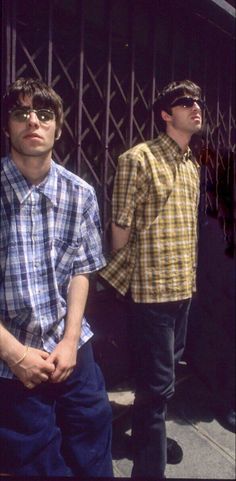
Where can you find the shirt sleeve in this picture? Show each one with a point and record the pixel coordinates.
(131, 187)
(90, 256)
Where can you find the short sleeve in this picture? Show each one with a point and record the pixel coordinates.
(90, 257)
(131, 187)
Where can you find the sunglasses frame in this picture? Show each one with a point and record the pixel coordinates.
(187, 102)
(27, 112)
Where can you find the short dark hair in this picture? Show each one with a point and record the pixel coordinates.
(173, 91)
(42, 96)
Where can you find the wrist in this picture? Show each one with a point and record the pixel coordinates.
(71, 340)
(21, 359)
(12, 357)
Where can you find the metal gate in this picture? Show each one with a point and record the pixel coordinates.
(107, 59)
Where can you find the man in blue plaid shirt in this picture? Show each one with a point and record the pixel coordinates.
(55, 418)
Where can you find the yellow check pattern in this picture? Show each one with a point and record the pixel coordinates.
(156, 193)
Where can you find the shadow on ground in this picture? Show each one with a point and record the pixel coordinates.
(190, 404)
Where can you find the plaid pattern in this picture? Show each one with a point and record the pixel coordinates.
(49, 233)
(156, 193)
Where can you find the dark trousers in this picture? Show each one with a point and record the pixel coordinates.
(158, 334)
(57, 429)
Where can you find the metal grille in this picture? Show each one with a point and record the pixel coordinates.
(107, 59)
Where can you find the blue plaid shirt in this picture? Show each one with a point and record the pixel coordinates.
(49, 233)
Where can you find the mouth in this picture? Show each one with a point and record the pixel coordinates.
(196, 117)
(32, 136)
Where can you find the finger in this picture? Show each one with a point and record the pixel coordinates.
(44, 355)
(55, 377)
(58, 374)
(30, 385)
(49, 368)
(62, 377)
(51, 357)
(44, 377)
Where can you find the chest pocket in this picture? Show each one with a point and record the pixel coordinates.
(63, 256)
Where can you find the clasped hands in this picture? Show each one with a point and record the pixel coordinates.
(36, 366)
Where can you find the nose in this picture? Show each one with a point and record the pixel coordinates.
(196, 106)
(33, 119)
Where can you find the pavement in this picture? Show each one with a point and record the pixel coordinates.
(209, 448)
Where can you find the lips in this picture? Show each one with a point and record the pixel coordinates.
(32, 136)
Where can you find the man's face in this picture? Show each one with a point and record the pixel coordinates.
(31, 137)
(186, 115)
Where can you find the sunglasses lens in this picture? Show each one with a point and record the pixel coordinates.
(19, 115)
(187, 102)
(45, 115)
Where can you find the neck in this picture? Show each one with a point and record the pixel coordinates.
(181, 138)
(34, 169)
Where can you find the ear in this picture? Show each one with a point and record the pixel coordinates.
(58, 134)
(165, 116)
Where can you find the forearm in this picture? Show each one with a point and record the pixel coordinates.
(76, 302)
(10, 348)
(65, 354)
(120, 236)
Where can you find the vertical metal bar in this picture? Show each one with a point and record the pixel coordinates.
(153, 24)
(230, 126)
(229, 153)
(218, 130)
(107, 112)
(8, 48)
(132, 73)
(10, 12)
(79, 87)
(13, 72)
(8, 37)
(172, 35)
(204, 91)
(50, 43)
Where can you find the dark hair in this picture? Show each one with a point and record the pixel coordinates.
(173, 91)
(42, 96)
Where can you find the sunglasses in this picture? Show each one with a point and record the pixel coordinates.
(22, 114)
(187, 102)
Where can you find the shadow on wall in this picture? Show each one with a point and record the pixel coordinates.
(211, 334)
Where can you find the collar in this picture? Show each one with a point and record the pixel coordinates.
(173, 150)
(23, 188)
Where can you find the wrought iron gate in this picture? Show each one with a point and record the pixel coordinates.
(107, 60)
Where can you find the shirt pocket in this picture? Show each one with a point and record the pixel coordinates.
(63, 255)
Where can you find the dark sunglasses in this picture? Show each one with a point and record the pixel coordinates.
(22, 115)
(187, 102)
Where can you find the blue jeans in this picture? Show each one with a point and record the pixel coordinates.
(57, 429)
(158, 334)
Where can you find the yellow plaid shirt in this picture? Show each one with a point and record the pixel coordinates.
(156, 193)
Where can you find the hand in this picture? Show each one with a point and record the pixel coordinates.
(64, 359)
(34, 369)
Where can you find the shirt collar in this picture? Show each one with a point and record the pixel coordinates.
(23, 189)
(173, 150)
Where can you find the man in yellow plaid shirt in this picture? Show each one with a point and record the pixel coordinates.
(154, 241)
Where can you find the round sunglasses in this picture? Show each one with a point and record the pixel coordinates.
(23, 114)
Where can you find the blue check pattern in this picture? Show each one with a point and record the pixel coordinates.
(49, 233)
